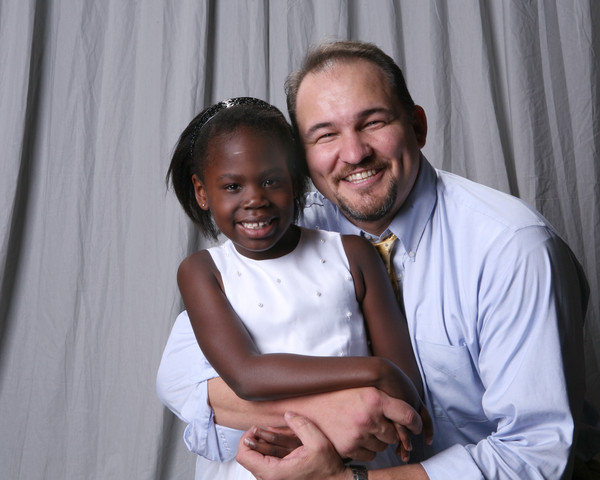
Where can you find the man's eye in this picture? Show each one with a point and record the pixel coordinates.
(325, 137)
(373, 123)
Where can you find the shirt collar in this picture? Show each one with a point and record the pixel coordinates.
(410, 221)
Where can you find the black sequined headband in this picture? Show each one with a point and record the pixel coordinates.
(211, 112)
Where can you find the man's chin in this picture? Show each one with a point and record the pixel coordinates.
(369, 210)
(362, 214)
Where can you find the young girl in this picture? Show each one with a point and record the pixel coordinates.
(279, 310)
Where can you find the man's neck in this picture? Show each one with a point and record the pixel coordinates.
(373, 228)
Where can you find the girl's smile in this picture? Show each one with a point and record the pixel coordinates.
(258, 227)
(248, 189)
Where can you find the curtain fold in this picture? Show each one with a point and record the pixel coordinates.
(93, 96)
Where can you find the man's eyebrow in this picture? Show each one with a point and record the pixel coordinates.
(371, 111)
(318, 126)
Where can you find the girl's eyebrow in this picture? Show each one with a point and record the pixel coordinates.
(273, 170)
(237, 176)
(228, 176)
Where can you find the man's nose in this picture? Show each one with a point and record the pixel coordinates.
(354, 149)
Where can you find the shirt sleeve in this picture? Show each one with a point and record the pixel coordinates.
(181, 385)
(532, 302)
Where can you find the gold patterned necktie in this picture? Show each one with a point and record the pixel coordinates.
(384, 247)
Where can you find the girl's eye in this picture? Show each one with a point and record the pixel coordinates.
(232, 187)
(271, 182)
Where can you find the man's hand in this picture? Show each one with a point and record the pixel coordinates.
(316, 458)
(361, 422)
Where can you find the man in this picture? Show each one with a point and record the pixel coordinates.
(494, 299)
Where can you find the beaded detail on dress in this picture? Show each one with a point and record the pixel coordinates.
(303, 302)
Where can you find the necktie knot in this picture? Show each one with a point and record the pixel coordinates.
(384, 248)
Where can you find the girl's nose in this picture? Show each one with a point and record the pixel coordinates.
(354, 149)
(255, 198)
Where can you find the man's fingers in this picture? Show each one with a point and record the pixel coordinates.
(305, 430)
(400, 412)
(386, 435)
(368, 447)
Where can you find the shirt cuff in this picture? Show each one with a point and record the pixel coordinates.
(454, 462)
(203, 436)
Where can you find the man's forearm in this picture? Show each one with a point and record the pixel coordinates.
(404, 472)
(233, 412)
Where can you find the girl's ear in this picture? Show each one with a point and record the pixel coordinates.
(200, 193)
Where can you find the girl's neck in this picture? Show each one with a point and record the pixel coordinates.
(286, 244)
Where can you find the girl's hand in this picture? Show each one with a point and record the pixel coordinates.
(405, 446)
(275, 441)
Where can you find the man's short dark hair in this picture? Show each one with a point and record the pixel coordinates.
(326, 54)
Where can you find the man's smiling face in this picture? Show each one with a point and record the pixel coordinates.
(362, 148)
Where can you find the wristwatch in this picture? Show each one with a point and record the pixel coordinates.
(359, 472)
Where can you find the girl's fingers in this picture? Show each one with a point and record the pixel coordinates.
(276, 442)
(405, 445)
(269, 449)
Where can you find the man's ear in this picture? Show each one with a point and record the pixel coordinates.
(419, 123)
(200, 192)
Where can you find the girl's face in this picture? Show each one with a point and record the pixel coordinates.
(248, 189)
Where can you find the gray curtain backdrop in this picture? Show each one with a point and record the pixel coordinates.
(93, 96)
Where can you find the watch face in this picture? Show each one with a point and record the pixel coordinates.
(359, 472)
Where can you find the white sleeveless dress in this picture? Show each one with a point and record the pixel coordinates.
(302, 303)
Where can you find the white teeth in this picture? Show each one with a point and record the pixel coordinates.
(255, 225)
(357, 177)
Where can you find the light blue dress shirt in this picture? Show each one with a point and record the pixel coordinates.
(495, 303)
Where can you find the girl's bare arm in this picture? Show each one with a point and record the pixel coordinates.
(386, 323)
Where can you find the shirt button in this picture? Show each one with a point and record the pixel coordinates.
(411, 254)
